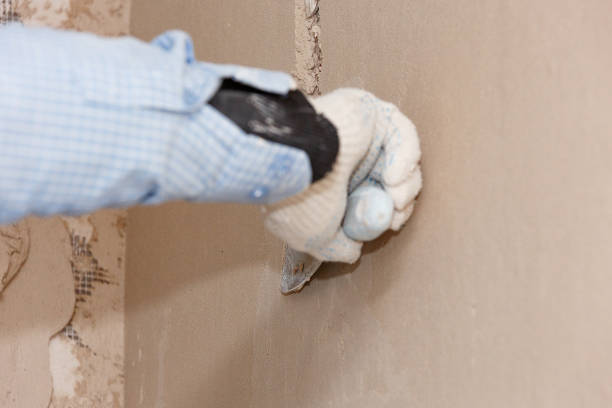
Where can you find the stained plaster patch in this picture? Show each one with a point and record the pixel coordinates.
(94, 335)
(105, 17)
(308, 52)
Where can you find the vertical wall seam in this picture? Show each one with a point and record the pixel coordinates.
(308, 52)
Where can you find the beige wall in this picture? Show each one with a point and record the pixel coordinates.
(195, 270)
(497, 292)
(253, 32)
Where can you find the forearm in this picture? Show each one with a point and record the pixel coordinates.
(87, 123)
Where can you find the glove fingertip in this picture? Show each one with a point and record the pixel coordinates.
(402, 148)
(405, 192)
(400, 217)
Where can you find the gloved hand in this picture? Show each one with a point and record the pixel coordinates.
(378, 144)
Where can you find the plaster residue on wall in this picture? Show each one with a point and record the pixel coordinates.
(308, 53)
(105, 17)
(14, 248)
(87, 355)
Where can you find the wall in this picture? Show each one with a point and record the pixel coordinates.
(497, 291)
(195, 269)
(258, 33)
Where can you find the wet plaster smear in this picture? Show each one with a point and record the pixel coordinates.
(62, 310)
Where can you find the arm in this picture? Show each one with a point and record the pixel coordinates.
(89, 122)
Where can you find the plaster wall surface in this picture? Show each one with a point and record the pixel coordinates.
(496, 293)
(249, 32)
(195, 270)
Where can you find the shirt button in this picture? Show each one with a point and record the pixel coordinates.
(189, 97)
(259, 193)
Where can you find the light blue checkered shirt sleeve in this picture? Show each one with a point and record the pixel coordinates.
(89, 122)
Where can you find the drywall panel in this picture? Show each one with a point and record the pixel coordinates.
(14, 250)
(193, 275)
(194, 270)
(497, 291)
(250, 32)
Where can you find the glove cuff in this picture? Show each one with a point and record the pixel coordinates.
(288, 119)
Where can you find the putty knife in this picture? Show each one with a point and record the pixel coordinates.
(368, 214)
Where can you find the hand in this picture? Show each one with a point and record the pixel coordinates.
(378, 144)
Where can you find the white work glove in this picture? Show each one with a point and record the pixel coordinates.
(378, 144)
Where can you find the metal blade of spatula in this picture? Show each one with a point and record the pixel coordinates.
(298, 268)
(368, 214)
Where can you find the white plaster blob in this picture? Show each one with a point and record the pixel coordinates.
(64, 367)
(80, 226)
